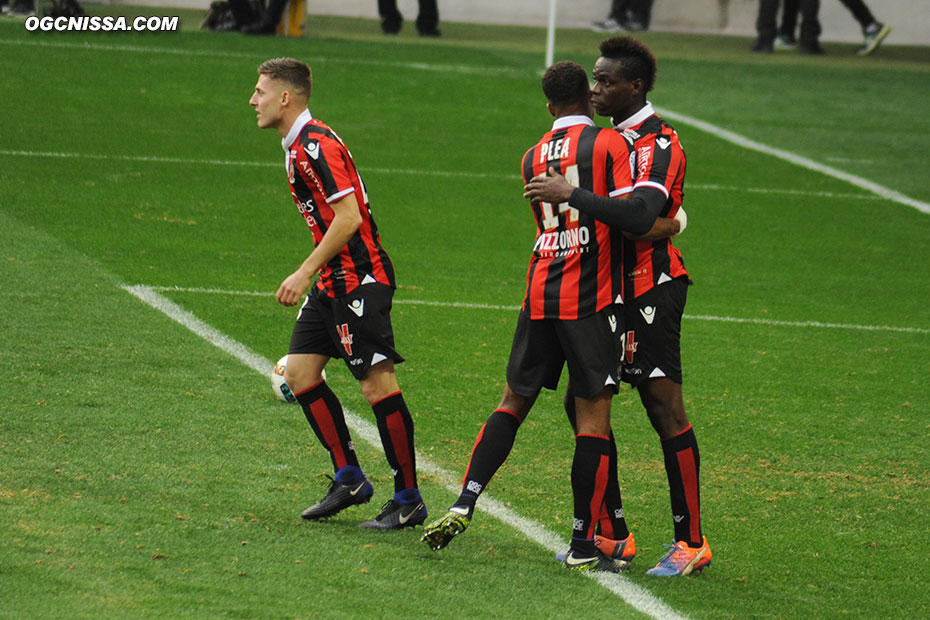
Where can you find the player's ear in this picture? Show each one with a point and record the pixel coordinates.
(549, 107)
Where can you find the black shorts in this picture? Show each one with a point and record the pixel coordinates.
(541, 348)
(652, 334)
(356, 327)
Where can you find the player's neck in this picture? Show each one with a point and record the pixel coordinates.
(630, 112)
(288, 118)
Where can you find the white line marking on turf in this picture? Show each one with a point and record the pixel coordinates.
(780, 190)
(178, 314)
(695, 317)
(724, 134)
(252, 164)
(439, 173)
(637, 597)
(851, 160)
(221, 54)
(774, 323)
(798, 160)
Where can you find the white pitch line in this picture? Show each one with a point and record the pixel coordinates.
(724, 134)
(474, 306)
(250, 164)
(439, 173)
(367, 61)
(780, 190)
(798, 160)
(851, 160)
(775, 323)
(637, 597)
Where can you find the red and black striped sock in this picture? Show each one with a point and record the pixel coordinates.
(396, 429)
(590, 467)
(324, 413)
(683, 467)
(612, 522)
(492, 447)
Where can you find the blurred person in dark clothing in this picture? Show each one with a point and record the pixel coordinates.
(629, 15)
(427, 18)
(767, 30)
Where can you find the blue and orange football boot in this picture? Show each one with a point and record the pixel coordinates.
(682, 560)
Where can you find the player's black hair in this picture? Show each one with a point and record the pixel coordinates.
(565, 83)
(290, 71)
(636, 59)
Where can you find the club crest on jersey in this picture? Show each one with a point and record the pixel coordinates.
(345, 337)
(629, 346)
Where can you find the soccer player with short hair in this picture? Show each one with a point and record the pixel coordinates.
(568, 316)
(655, 282)
(347, 313)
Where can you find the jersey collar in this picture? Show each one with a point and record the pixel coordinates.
(570, 121)
(637, 119)
(304, 118)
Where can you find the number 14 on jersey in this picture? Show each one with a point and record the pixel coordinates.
(549, 213)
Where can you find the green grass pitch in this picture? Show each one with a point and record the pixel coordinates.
(146, 473)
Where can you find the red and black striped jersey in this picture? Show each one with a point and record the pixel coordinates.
(575, 268)
(660, 164)
(321, 172)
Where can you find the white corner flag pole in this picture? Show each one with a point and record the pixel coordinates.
(550, 35)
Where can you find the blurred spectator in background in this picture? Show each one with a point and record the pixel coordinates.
(427, 18)
(254, 19)
(785, 39)
(249, 16)
(632, 15)
(25, 8)
(873, 31)
(766, 25)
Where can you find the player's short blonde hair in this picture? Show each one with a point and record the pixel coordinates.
(290, 71)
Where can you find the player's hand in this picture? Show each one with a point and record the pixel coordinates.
(292, 289)
(553, 188)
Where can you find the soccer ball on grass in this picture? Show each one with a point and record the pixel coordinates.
(281, 389)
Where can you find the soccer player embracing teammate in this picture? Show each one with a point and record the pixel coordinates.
(568, 315)
(655, 283)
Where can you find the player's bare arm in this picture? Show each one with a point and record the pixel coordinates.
(346, 221)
